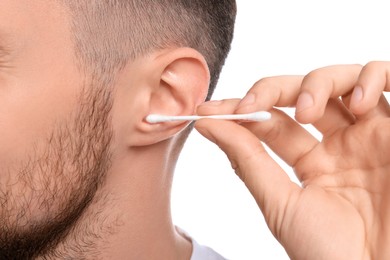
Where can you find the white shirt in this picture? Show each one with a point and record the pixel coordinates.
(204, 253)
(200, 252)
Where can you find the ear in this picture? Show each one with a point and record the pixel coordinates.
(169, 82)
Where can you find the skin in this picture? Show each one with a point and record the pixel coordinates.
(42, 185)
(341, 209)
(73, 152)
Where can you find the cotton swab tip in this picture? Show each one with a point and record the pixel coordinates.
(259, 116)
(154, 118)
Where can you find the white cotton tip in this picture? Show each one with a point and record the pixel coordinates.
(154, 118)
(259, 116)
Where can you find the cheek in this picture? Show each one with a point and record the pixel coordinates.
(30, 107)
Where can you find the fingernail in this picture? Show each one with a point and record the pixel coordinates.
(249, 99)
(357, 95)
(211, 103)
(305, 101)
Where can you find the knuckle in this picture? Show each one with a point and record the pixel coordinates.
(228, 105)
(315, 79)
(270, 87)
(235, 164)
(316, 75)
(236, 168)
(378, 131)
(273, 133)
(265, 83)
(357, 65)
(368, 69)
(325, 76)
(373, 65)
(242, 163)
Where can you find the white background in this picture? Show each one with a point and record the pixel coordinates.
(272, 37)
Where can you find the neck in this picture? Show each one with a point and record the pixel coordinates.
(130, 216)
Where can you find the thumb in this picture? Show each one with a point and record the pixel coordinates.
(265, 179)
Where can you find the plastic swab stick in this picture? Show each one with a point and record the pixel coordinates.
(256, 116)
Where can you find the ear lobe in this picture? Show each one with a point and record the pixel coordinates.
(180, 86)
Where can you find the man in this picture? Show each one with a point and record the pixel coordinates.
(83, 175)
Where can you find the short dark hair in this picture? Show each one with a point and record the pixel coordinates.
(110, 33)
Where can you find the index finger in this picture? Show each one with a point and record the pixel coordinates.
(279, 91)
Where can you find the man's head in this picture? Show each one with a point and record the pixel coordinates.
(109, 34)
(77, 78)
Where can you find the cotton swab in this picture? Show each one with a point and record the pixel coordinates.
(256, 116)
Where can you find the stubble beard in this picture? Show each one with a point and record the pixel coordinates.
(49, 192)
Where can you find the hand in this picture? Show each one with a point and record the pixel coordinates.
(342, 208)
